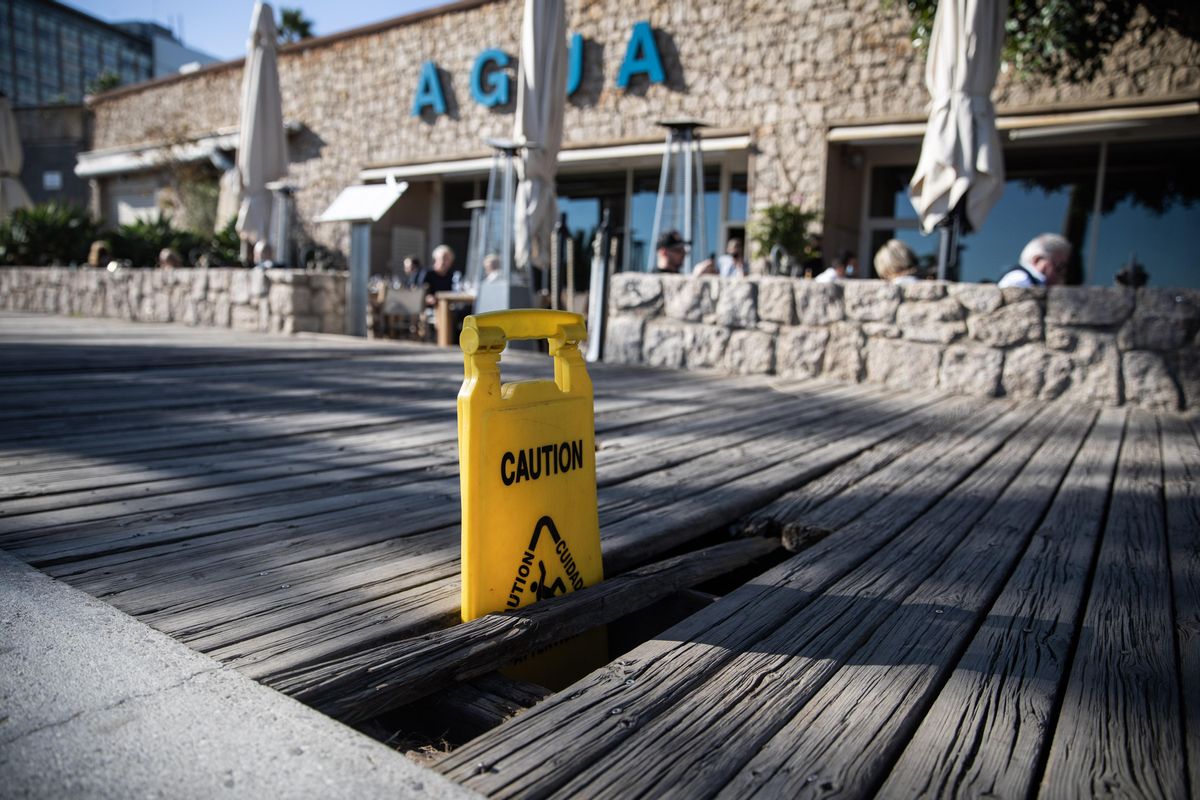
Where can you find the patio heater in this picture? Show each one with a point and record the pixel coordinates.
(474, 260)
(281, 222)
(511, 286)
(680, 202)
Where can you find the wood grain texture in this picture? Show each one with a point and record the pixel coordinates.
(1181, 482)
(987, 732)
(610, 711)
(392, 675)
(1119, 727)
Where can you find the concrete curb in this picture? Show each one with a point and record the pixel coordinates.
(93, 703)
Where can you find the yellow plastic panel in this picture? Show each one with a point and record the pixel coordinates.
(527, 460)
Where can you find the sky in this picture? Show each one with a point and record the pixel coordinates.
(219, 27)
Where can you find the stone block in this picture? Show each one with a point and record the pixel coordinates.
(322, 301)
(1095, 363)
(1163, 319)
(977, 298)
(1033, 372)
(750, 353)
(1018, 294)
(844, 352)
(800, 352)
(818, 303)
(939, 321)
(664, 343)
(1148, 383)
(971, 370)
(690, 300)
(1187, 371)
(776, 300)
(218, 278)
(244, 318)
(239, 287)
(903, 365)
(199, 283)
(923, 290)
(881, 330)
(706, 346)
(304, 323)
(335, 322)
(282, 299)
(259, 283)
(1008, 325)
(637, 293)
(1088, 305)
(737, 305)
(222, 311)
(870, 301)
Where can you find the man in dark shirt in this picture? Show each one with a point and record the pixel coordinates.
(441, 277)
(671, 253)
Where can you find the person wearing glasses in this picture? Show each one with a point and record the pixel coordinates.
(1043, 263)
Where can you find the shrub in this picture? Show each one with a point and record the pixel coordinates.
(786, 225)
(140, 242)
(225, 249)
(47, 234)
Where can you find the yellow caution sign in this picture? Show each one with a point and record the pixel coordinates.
(527, 460)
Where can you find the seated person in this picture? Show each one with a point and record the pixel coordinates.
(732, 264)
(896, 262)
(1043, 263)
(670, 253)
(844, 265)
(414, 274)
(442, 277)
(491, 268)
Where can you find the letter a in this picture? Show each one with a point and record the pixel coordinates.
(641, 57)
(429, 91)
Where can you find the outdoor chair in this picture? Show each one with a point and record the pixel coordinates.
(403, 313)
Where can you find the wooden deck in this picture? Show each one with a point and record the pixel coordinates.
(985, 599)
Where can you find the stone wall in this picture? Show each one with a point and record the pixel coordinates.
(274, 301)
(1097, 345)
(782, 71)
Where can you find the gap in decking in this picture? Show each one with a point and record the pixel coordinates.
(428, 729)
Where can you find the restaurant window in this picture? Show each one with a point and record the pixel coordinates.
(1150, 208)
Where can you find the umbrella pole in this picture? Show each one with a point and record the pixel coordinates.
(949, 230)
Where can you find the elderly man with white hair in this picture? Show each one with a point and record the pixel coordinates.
(1043, 263)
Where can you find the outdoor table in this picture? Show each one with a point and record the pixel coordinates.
(444, 320)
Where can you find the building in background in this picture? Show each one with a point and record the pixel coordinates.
(820, 102)
(50, 54)
(50, 57)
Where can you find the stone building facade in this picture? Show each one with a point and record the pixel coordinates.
(810, 85)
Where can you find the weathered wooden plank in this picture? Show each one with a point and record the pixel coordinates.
(838, 497)
(810, 661)
(392, 675)
(471, 708)
(1181, 484)
(987, 732)
(848, 732)
(651, 523)
(1119, 727)
(651, 679)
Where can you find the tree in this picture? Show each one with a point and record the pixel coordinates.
(1068, 39)
(293, 25)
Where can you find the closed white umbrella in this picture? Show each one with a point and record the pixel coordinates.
(12, 193)
(262, 146)
(541, 95)
(961, 156)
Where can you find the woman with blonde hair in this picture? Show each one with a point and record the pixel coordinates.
(896, 262)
